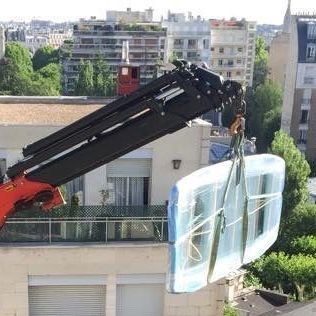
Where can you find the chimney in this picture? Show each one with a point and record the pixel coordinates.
(125, 52)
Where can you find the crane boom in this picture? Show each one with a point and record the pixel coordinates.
(163, 106)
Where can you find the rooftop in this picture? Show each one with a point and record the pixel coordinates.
(269, 303)
(46, 111)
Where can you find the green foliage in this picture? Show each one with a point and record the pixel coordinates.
(294, 273)
(251, 280)
(301, 222)
(271, 124)
(312, 165)
(51, 73)
(17, 76)
(264, 113)
(84, 83)
(304, 245)
(94, 79)
(44, 56)
(297, 172)
(20, 57)
(229, 310)
(261, 63)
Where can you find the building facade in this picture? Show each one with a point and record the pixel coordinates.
(233, 49)
(279, 51)
(187, 39)
(98, 38)
(130, 16)
(122, 274)
(299, 102)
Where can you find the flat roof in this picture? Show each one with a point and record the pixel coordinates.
(43, 113)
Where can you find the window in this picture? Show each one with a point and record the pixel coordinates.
(302, 137)
(220, 62)
(178, 43)
(230, 62)
(308, 80)
(124, 71)
(251, 35)
(228, 74)
(75, 189)
(134, 73)
(212, 49)
(311, 52)
(86, 41)
(151, 41)
(191, 54)
(306, 101)
(179, 54)
(128, 191)
(206, 44)
(192, 43)
(311, 31)
(221, 50)
(239, 61)
(304, 116)
(239, 49)
(238, 73)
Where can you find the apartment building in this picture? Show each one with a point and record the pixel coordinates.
(299, 104)
(101, 260)
(233, 49)
(187, 39)
(279, 51)
(130, 16)
(99, 38)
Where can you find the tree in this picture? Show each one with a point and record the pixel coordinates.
(264, 107)
(52, 74)
(304, 245)
(271, 123)
(84, 82)
(44, 56)
(297, 172)
(301, 222)
(261, 63)
(287, 272)
(20, 57)
(17, 76)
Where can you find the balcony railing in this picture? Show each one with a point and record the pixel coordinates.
(96, 224)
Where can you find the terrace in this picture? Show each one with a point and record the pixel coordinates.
(94, 224)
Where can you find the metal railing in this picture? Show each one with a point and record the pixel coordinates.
(88, 224)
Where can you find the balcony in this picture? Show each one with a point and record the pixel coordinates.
(93, 224)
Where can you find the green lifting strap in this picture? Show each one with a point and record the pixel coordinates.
(220, 221)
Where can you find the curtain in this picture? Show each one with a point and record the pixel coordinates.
(126, 191)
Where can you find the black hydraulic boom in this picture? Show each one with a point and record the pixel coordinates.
(163, 106)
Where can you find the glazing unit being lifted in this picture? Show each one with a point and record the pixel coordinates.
(163, 106)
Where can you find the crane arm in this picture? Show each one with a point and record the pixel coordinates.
(163, 106)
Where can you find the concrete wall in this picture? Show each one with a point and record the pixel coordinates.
(290, 80)
(278, 58)
(106, 261)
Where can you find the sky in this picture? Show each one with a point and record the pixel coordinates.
(262, 11)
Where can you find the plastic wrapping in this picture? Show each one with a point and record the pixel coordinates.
(221, 217)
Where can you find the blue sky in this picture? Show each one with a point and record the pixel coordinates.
(263, 11)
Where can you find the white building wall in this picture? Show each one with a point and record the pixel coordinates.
(190, 145)
(22, 266)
